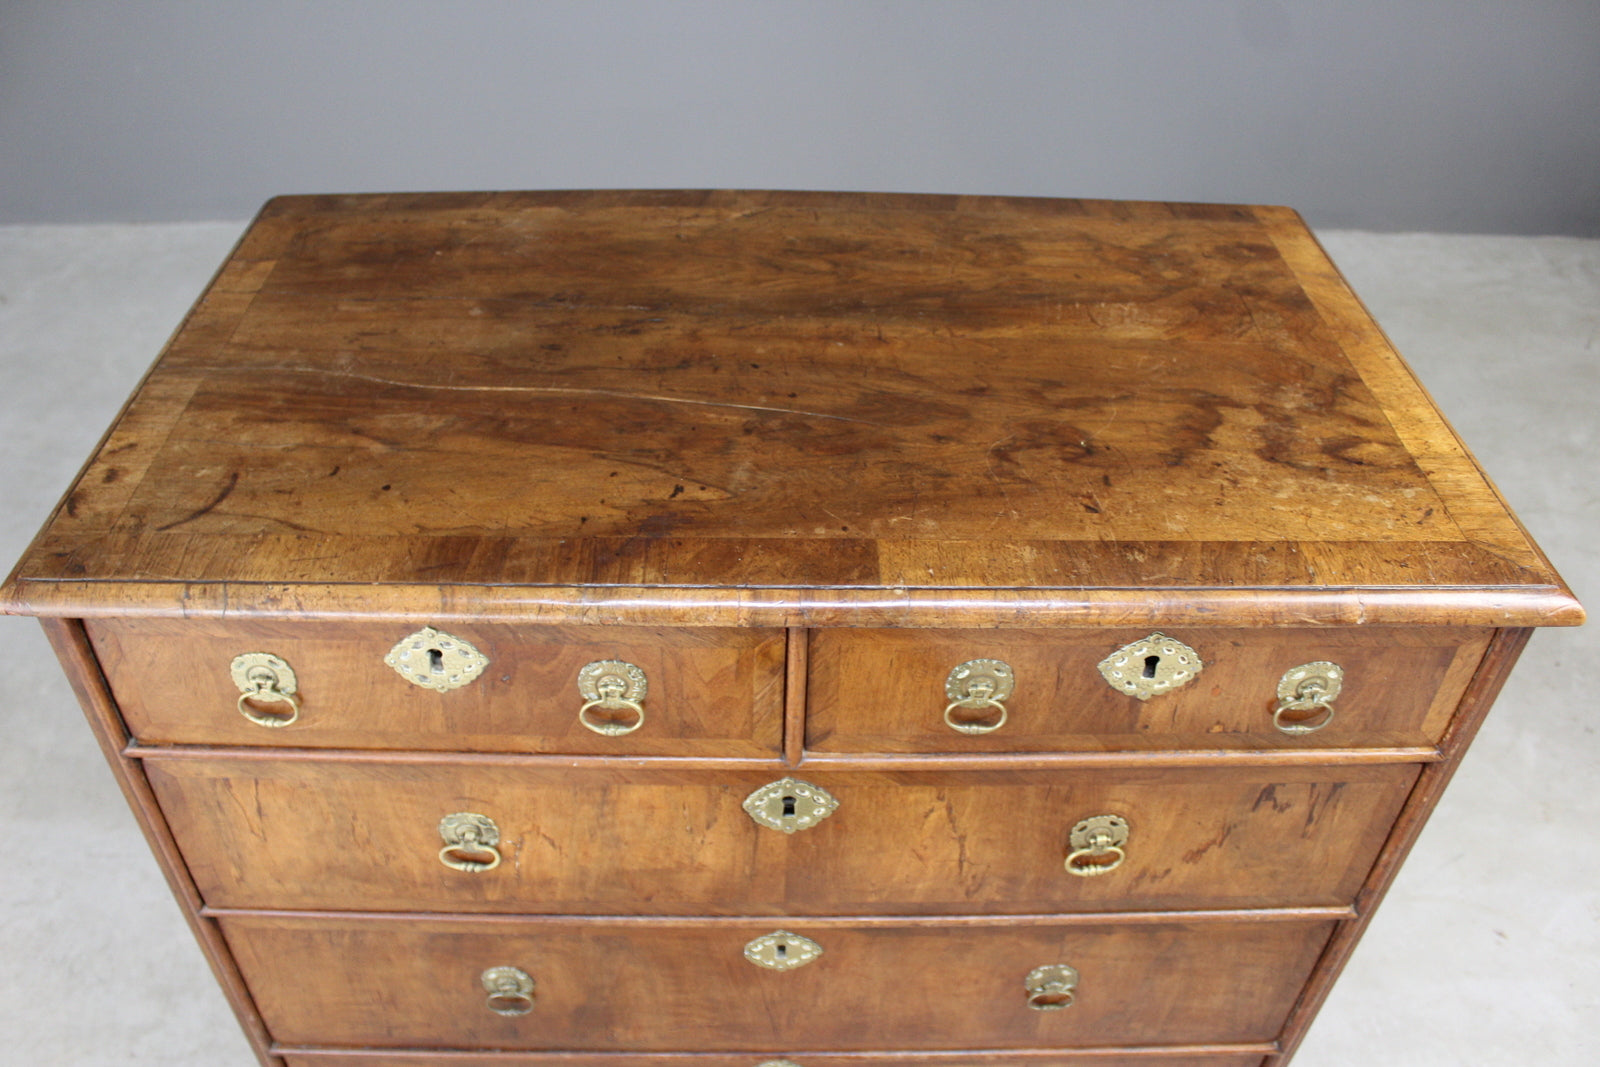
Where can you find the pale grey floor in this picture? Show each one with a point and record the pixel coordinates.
(1487, 952)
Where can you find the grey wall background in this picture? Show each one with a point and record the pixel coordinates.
(1446, 115)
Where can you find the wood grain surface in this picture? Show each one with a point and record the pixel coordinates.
(1237, 1055)
(662, 985)
(592, 399)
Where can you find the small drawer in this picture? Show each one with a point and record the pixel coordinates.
(656, 985)
(709, 692)
(310, 834)
(1044, 691)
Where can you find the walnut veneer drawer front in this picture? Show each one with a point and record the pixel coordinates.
(704, 691)
(665, 985)
(291, 834)
(902, 690)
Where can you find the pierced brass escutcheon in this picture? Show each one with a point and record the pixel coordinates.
(469, 842)
(782, 951)
(1306, 694)
(1097, 845)
(978, 684)
(1052, 987)
(436, 660)
(1149, 667)
(612, 685)
(790, 805)
(263, 678)
(510, 990)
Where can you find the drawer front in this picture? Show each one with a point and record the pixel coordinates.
(1052, 1058)
(274, 833)
(714, 692)
(886, 690)
(663, 985)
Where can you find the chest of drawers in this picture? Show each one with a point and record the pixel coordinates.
(724, 629)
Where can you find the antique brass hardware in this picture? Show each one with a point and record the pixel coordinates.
(1097, 845)
(470, 842)
(1151, 666)
(1306, 694)
(789, 805)
(782, 951)
(265, 679)
(978, 684)
(612, 685)
(510, 990)
(436, 660)
(1052, 987)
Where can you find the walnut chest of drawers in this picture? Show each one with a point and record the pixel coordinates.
(724, 629)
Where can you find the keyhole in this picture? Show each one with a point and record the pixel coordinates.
(1150, 665)
(435, 661)
(783, 950)
(788, 807)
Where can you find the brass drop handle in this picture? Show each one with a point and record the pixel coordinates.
(510, 990)
(470, 842)
(612, 685)
(1306, 694)
(1052, 987)
(1097, 845)
(263, 678)
(981, 685)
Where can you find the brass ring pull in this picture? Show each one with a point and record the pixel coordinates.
(1307, 690)
(978, 684)
(1052, 987)
(263, 677)
(510, 990)
(1097, 846)
(469, 842)
(613, 685)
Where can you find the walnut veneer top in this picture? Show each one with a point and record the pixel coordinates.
(784, 408)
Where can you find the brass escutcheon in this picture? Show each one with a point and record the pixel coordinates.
(510, 990)
(612, 685)
(978, 684)
(1051, 987)
(436, 660)
(1151, 666)
(1097, 845)
(469, 842)
(790, 805)
(266, 679)
(1307, 693)
(782, 951)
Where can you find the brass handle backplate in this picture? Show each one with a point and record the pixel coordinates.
(1051, 987)
(612, 685)
(263, 678)
(1305, 697)
(470, 842)
(978, 685)
(1097, 845)
(510, 990)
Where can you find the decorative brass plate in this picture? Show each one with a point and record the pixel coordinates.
(436, 660)
(1051, 987)
(470, 842)
(1307, 692)
(613, 685)
(510, 990)
(263, 678)
(789, 805)
(1097, 845)
(978, 684)
(1155, 665)
(782, 951)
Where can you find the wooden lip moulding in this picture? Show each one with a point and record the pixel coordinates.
(730, 629)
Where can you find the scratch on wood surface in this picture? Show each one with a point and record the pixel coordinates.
(233, 481)
(557, 390)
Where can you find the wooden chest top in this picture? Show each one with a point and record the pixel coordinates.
(784, 409)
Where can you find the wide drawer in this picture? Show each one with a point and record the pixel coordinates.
(1186, 1056)
(664, 985)
(886, 690)
(706, 691)
(277, 833)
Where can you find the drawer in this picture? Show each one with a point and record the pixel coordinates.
(665, 985)
(886, 690)
(276, 833)
(706, 691)
(1186, 1057)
